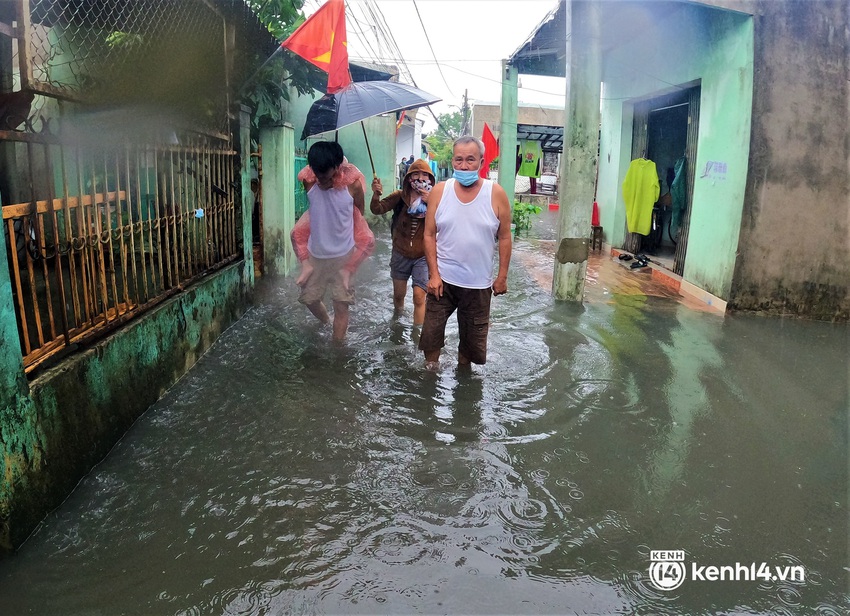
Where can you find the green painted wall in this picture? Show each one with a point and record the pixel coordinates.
(18, 430)
(75, 413)
(247, 195)
(278, 199)
(693, 43)
(54, 429)
(508, 123)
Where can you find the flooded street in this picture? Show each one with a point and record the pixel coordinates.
(286, 475)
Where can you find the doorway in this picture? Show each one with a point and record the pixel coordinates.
(665, 131)
(666, 140)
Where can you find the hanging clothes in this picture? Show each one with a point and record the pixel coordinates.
(532, 158)
(679, 194)
(640, 192)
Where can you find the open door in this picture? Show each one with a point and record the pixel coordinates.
(665, 130)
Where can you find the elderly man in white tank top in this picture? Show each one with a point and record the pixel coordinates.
(466, 216)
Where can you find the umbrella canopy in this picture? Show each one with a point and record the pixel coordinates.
(360, 100)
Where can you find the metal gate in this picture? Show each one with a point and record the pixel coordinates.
(104, 236)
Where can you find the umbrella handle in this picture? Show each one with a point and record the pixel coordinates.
(368, 149)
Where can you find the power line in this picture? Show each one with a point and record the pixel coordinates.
(381, 20)
(374, 55)
(498, 81)
(404, 63)
(431, 47)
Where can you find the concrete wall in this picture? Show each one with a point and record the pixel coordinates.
(676, 44)
(794, 232)
(54, 430)
(278, 199)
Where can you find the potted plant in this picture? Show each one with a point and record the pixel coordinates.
(522, 213)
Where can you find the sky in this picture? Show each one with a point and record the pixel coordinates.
(469, 39)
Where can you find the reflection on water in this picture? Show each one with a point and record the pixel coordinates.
(285, 474)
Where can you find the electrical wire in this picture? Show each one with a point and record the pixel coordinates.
(387, 32)
(431, 47)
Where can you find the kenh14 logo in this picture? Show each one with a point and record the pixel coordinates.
(667, 570)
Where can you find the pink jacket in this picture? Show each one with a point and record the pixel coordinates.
(364, 240)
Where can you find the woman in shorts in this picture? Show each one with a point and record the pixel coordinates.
(407, 227)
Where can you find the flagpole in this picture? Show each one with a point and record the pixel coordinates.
(257, 72)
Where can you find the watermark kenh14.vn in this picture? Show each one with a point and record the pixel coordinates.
(668, 571)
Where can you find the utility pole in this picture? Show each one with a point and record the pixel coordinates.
(464, 129)
(581, 148)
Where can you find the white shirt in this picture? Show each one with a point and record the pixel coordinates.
(331, 222)
(466, 237)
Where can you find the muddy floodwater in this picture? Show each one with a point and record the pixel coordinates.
(286, 475)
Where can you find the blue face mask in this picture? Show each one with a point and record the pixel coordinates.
(466, 178)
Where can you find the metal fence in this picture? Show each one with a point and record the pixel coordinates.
(106, 234)
(164, 52)
(97, 233)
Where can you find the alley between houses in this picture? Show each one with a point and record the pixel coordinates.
(286, 475)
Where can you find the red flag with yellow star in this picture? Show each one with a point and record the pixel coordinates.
(322, 41)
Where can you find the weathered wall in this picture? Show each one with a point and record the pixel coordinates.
(75, 413)
(16, 417)
(794, 232)
(278, 199)
(657, 45)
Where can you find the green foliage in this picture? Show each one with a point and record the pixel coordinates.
(281, 17)
(441, 140)
(522, 213)
(270, 85)
(123, 40)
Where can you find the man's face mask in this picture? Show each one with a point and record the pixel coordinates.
(466, 178)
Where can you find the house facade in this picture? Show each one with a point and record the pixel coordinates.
(753, 96)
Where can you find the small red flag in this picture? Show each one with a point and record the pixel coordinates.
(322, 41)
(491, 150)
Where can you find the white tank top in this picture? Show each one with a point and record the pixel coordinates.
(331, 222)
(466, 237)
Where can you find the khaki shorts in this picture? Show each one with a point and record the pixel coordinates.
(473, 320)
(326, 275)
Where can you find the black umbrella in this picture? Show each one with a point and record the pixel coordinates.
(360, 100)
